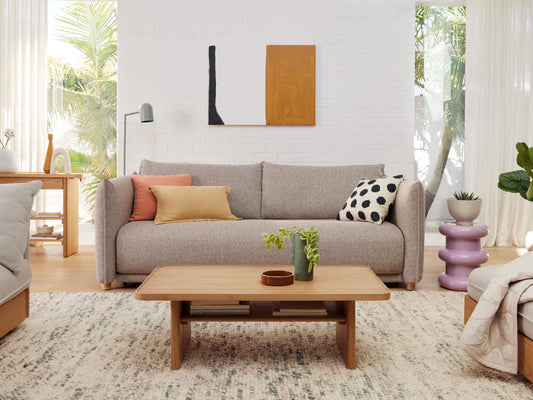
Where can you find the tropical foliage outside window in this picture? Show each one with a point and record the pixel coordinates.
(444, 27)
(84, 96)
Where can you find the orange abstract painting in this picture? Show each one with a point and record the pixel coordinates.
(290, 85)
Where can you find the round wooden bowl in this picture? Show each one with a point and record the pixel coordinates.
(277, 278)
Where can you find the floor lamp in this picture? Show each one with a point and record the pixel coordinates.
(146, 114)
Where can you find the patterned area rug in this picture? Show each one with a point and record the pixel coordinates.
(111, 346)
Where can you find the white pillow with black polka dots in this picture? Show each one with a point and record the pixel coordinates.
(371, 200)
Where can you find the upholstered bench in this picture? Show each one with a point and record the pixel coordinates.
(477, 283)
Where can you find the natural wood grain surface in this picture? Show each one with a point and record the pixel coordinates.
(69, 183)
(243, 282)
(77, 273)
(290, 85)
(346, 335)
(14, 312)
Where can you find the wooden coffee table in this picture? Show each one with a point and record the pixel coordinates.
(339, 286)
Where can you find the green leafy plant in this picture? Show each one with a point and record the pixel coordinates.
(309, 235)
(462, 195)
(520, 181)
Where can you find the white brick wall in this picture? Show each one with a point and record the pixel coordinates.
(364, 80)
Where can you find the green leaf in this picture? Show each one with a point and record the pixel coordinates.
(515, 182)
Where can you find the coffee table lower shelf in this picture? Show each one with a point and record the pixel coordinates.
(341, 312)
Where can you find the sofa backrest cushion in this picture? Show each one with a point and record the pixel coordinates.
(244, 181)
(16, 200)
(310, 192)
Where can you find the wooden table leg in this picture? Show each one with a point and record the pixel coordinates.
(180, 335)
(70, 216)
(346, 335)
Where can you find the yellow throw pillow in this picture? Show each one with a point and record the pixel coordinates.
(191, 203)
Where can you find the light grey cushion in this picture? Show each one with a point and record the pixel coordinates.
(244, 180)
(309, 192)
(16, 201)
(142, 246)
(479, 281)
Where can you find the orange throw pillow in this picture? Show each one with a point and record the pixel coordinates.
(145, 205)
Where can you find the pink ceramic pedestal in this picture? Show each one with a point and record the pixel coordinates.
(462, 253)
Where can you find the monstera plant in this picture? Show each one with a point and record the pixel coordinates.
(520, 181)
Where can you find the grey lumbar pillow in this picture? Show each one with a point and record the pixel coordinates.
(16, 200)
(371, 200)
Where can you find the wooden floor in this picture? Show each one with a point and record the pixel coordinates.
(52, 272)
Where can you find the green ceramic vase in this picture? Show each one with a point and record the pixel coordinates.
(299, 259)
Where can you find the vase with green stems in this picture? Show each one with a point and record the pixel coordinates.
(304, 249)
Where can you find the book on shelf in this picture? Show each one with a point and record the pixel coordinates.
(220, 312)
(299, 309)
(230, 307)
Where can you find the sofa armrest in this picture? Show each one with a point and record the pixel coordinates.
(408, 215)
(114, 203)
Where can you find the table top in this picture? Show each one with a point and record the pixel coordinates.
(40, 175)
(243, 282)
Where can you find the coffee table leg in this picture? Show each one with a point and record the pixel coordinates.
(180, 335)
(346, 335)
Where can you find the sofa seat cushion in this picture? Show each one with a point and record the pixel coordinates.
(142, 246)
(244, 180)
(309, 192)
(479, 280)
(11, 284)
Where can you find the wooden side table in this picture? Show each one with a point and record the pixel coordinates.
(69, 184)
(462, 253)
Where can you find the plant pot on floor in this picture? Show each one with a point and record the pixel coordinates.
(464, 211)
(8, 161)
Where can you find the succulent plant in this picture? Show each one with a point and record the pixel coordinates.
(462, 195)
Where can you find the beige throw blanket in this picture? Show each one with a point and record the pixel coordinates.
(490, 335)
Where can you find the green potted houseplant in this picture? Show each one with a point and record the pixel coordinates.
(304, 249)
(464, 207)
(520, 181)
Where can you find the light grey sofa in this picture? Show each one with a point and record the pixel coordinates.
(16, 200)
(267, 196)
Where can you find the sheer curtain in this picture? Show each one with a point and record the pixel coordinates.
(23, 32)
(499, 110)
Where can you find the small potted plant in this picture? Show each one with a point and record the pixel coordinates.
(8, 158)
(464, 207)
(304, 249)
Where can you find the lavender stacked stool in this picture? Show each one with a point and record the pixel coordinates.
(462, 253)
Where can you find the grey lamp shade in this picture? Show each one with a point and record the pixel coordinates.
(146, 113)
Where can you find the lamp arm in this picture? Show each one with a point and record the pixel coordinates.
(124, 153)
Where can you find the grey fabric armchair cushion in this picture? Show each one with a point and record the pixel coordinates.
(16, 201)
(244, 180)
(294, 191)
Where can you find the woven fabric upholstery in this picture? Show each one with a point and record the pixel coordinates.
(295, 191)
(244, 181)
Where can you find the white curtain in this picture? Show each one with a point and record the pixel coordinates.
(499, 110)
(23, 36)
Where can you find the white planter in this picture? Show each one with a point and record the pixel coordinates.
(8, 161)
(464, 211)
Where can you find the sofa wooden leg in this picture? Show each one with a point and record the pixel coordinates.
(411, 286)
(106, 286)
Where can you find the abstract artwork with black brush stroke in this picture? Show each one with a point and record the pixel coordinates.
(214, 118)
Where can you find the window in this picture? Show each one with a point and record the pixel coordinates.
(440, 44)
(82, 89)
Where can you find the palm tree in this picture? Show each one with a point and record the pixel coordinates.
(445, 25)
(88, 93)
